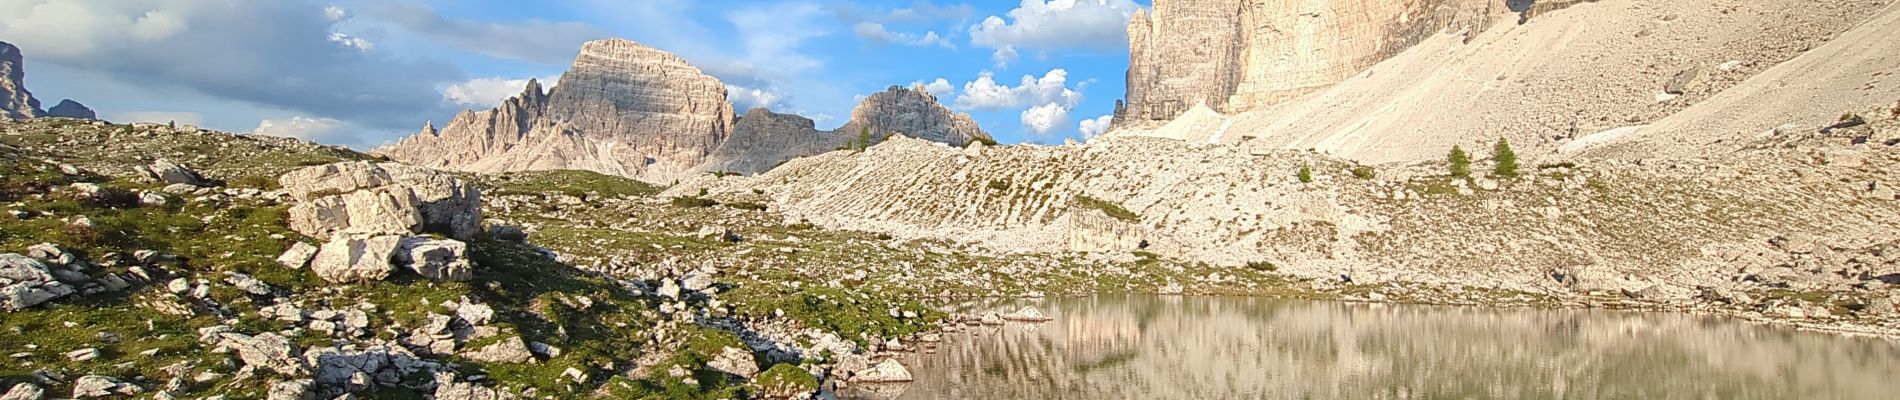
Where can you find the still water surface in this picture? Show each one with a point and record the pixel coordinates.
(1172, 347)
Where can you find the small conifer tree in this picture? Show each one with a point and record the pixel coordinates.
(1306, 173)
(1507, 160)
(1460, 162)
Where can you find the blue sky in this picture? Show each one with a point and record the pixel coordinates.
(361, 72)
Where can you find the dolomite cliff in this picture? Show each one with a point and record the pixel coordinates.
(15, 101)
(1239, 54)
(630, 110)
(1401, 82)
(622, 109)
(763, 139)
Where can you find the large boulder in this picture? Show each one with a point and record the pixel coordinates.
(442, 260)
(167, 172)
(356, 258)
(26, 282)
(388, 198)
(884, 372)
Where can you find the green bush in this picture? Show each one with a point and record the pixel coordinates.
(1306, 173)
(1364, 172)
(1112, 209)
(1263, 266)
(693, 202)
(1507, 160)
(1460, 162)
(998, 185)
(750, 206)
(985, 140)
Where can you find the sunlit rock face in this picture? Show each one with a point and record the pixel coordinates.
(622, 109)
(15, 101)
(1235, 55)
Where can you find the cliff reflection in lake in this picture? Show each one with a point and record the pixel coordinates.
(1116, 347)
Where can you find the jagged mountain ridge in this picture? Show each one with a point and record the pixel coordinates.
(630, 110)
(763, 139)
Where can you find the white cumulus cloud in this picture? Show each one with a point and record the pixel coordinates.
(985, 93)
(876, 33)
(1004, 56)
(747, 98)
(940, 87)
(1090, 128)
(490, 92)
(1058, 24)
(1043, 119)
(324, 130)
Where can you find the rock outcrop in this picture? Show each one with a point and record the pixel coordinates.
(763, 139)
(622, 109)
(15, 101)
(71, 109)
(388, 198)
(26, 282)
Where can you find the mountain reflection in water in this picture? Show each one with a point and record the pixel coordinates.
(1172, 347)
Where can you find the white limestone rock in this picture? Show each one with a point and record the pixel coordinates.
(355, 258)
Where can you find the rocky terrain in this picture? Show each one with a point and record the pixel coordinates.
(1803, 213)
(175, 262)
(629, 110)
(763, 139)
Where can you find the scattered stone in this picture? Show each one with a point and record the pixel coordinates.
(736, 361)
(442, 260)
(24, 391)
(300, 389)
(165, 171)
(298, 255)
(1680, 84)
(90, 386)
(151, 199)
(510, 350)
(83, 355)
(248, 284)
(669, 289)
(267, 351)
(697, 281)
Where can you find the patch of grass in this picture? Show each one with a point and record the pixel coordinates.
(786, 378)
(1263, 266)
(746, 205)
(1113, 210)
(569, 182)
(1364, 172)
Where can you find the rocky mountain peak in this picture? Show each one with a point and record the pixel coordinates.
(622, 109)
(916, 113)
(69, 108)
(15, 101)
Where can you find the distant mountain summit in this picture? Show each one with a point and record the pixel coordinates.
(622, 109)
(18, 103)
(631, 110)
(764, 139)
